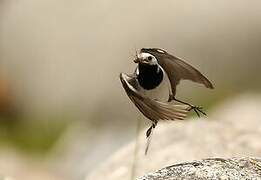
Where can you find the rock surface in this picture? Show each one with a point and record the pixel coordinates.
(231, 130)
(215, 168)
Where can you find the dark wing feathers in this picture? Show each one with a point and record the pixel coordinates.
(177, 69)
(186, 71)
(152, 109)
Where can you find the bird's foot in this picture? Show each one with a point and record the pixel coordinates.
(197, 110)
(149, 131)
(149, 136)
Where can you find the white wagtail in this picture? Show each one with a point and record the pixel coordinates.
(157, 71)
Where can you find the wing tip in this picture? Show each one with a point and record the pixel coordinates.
(208, 84)
(123, 77)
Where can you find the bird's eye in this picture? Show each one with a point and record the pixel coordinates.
(150, 58)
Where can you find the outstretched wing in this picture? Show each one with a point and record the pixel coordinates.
(177, 69)
(152, 109)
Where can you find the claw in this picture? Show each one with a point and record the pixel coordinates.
(200, 110)
(197, 110)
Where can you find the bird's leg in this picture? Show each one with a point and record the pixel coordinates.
(197, 109)
(170, 98)
(149, 131)
(149, 135)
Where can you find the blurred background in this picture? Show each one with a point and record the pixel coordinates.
(63, 109)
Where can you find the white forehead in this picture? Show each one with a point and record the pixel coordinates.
(144, 55)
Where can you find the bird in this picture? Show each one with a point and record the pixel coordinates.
(152, 86)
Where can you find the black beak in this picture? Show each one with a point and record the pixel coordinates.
(137, 60)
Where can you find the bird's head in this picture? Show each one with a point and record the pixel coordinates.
(145, 58)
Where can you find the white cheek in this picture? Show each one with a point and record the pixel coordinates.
(154, 61)
(137, 71)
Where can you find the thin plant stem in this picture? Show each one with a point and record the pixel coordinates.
(136, 149)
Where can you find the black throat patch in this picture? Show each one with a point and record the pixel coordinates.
(150, 76)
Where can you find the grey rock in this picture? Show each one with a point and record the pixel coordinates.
(231, 130)
(215, 169)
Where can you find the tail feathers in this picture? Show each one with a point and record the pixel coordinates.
(172, 111)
